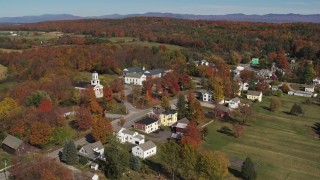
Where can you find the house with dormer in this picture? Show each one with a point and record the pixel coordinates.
(95, 84)
(124, 135)
(92, 151)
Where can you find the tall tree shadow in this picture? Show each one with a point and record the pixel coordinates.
(157, 167)
(316, 128)
(236, 173)
(226, 130)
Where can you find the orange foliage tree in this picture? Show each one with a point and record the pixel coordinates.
(101, 130)
(40, 133)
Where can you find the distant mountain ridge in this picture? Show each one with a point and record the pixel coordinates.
(270, 18)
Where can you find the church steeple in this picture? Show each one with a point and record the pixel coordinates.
(95, 79)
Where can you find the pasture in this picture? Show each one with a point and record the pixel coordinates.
(283, 146)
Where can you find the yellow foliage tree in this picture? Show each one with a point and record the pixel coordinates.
(213, 165)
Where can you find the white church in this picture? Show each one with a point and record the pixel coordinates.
(95, 84)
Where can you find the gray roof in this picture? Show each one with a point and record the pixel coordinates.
(153, 72)
(91, 154)
(139, 137)
(12, 142)
(204, 91)
(184, 121)
(134, 75)
(133, 70)
(116, 128)
(235, 99)
(128, 132)
(146, 146)
(254, 93)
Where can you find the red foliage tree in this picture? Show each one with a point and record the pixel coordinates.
(41, 168)
(45, 105)
(107, 93)
(192, 135)
(83, 119)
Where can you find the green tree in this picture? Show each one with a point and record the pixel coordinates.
(60, 135)
(165, 104)
(296, 109)
(248, 171)
(181, 106)
(75, 96)
(35, 98)
(170, 156)
(118, 160)
(69, 153)
(189, 157)
(212, 165)
(275, 104)
(308, 73)
(135, 163)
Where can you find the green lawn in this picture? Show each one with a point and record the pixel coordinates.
(4, 157)
(150, 44)
(39, 35)
(105, 79)
(121, 39)
(282, 145)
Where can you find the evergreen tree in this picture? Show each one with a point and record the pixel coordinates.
(308, 73)
(181, 106)
(248, 171)
(118, 160)
(135, 163)
(69, 153)
(296, 109)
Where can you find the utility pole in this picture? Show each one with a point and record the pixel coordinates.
(5, 167)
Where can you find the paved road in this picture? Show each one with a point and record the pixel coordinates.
(3, 177)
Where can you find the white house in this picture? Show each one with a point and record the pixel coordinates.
(92, 151)
(132, 137)
(204, 95)
(309, 88)
(254, 95)
(94, 166)
(238, 70)
(145, 150)
(316, 80)
(134, 78)
(234, 103)
(301, 93)
(95, 84)
(244, 86)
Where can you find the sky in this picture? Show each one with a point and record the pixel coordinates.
(12, 8)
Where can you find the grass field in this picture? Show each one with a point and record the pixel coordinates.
(32, 35)
(3, 72)
(150, 44)
(4, 157)
(282, 145)
(121, 39)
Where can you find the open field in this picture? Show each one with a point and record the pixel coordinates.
(3, 72)
(10, 50)
(32, 35)
(121, 39)
(282, 145)
(150, 44)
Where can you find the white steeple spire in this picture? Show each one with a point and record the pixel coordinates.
(95, 79)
